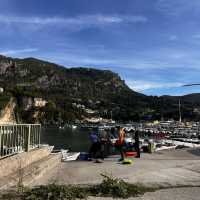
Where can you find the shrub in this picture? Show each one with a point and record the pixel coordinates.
(110, 187)
(55, 192)
(115, 187)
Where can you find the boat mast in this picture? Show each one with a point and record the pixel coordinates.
(179, 108)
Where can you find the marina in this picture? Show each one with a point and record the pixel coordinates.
(75, 137)
(165, 135)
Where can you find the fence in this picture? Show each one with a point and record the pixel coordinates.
(18, 138)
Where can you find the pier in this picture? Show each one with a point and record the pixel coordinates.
(169, 168)
(22, 157)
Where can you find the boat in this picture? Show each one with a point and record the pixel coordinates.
(128, 140)
(69, 156)
(50, 148)
(131, 154)
(61, 127)
(74, 126)
(64, 152)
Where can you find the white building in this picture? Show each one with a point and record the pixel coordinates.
(1, 90)
(39, 102)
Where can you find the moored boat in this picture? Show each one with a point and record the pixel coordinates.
(69, 156)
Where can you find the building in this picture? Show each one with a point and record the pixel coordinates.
(27, 103)
(39, 102)
(1, 90)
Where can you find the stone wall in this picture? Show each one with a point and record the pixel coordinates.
(11, 164)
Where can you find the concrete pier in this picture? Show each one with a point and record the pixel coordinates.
(28, 166)
(166, 168)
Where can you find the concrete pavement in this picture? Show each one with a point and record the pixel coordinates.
(166, 168)
(190, 193)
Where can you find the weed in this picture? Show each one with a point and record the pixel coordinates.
(110, 187)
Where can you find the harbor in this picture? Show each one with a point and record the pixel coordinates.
(164, 133)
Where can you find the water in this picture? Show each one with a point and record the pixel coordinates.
(73, 139)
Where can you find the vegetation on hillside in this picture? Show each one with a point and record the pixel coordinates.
(71, 92)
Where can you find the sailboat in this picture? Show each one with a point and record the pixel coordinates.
(69, 156)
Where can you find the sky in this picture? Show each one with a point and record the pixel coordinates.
(154, 45)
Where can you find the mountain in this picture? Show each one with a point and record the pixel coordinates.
(193, 98)
(71, 93)
(47, 92)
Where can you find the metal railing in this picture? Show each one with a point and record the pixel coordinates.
(18, 138)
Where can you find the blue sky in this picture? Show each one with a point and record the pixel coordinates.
(154, 45)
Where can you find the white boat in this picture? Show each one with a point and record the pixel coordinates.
(128, 140)
(69, 156)
(64, 152)
(74, 126)
(50, 148)
(165, 148)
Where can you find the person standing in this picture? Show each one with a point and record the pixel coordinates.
(95, 148)
(137, 143)
(104, 139)
(120, 142)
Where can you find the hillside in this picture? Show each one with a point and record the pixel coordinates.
(48, 93)
(71, 93)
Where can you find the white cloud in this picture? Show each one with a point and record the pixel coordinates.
(136, 19)
(141, 85)
(178, 7)
(78, 20)
(18, 51)
(173, 38)
(197, 36)
(173, 62)
(177, 55)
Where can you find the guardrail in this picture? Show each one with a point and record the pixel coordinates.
(18, 138)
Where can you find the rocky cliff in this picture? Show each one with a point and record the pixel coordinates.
(7, 115)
